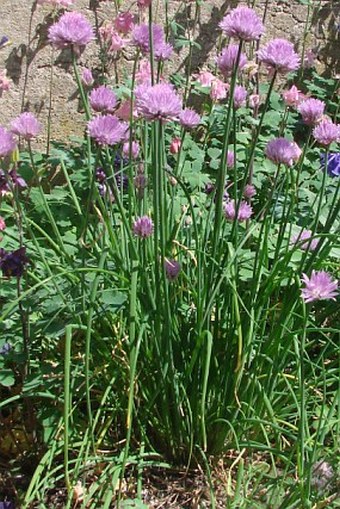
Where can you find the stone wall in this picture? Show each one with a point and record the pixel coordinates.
(43, 79)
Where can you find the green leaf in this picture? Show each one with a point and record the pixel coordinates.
(7, 377)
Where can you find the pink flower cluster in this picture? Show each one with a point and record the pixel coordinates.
(228, 58)
(319, 286)
(103, 100)
(242, 23)
(107, 130)
(141, 39)
(72, 30)
(7, 142)
(26, 125)
(243, 213)
(158, 102)
(283, 151)
(279, 55)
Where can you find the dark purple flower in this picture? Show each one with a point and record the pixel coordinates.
(209, 188)
(12, 263)
(3, 41)
(6, 505)
(333, 163)
(14, 178)
(100, 175)
(122, 180)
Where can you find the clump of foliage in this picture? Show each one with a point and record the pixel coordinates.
(171, 295)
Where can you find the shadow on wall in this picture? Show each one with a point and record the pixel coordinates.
(207, 36)
(21, 57)
(326, 21)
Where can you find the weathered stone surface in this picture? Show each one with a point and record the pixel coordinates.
(43, 79)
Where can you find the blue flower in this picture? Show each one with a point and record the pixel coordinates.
(4, 41)
(5, 348)
(6, 505)
(333, 163)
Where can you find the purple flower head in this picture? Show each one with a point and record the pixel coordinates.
(279, 55)
(12, 263)
(103, 99)
(311, 110)
(135, 148)
(124, 22)
(209, 188)
(283, 151)
(7, 142)
(26, 125)
(189, 119)
(319, 286)
(172, 268)
(322, 475)
(87, 77)
(227, 60)
(158, 102)
(143, 227)
(326, 132)
(141, 37)
(230, 158)
(333, 163)
(305, 235)
(107, 129)
(249, 191)
(242, 23)
(163, 51)
(240, 97)
(72, 30)
(243, 214)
